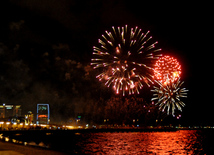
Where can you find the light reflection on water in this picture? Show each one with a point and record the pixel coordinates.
(178, 142)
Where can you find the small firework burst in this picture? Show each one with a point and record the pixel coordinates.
(167, 68)
(169, 95)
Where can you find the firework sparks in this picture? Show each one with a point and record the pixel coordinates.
(167, 68)
(168, 95)
(124, 58)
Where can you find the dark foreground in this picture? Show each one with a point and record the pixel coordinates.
(7, 148)
(110, 141)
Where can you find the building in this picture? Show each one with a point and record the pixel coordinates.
(7, 111)
(43, 113)
(29, 118)
(2, 111)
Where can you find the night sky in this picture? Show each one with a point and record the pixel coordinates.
(46, 48)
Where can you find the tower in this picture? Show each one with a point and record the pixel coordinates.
(43, 113)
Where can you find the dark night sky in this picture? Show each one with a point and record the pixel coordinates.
(183, 30)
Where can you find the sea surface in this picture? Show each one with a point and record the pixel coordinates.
(118, 142)
(171, 142)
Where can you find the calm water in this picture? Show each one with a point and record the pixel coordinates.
(171, 142)
(177, 142)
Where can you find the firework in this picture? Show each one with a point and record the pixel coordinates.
(167, 68)
(168, 95)
(124, 59)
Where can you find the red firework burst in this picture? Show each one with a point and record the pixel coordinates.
(167, 68)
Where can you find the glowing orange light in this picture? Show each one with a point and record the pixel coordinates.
(117, 50)
(176, 74)
(42, 116)
(132, 86)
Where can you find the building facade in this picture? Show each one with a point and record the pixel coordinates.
(9, 110)
(43, 113)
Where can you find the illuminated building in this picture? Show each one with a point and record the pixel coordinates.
(29, 118)
(43, 114)
(78, 119)
(10, 110)
(2, 111)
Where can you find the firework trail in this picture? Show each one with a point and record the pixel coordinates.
(124, 57)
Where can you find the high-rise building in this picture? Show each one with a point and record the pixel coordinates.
(16, 110)
(9, 110)
(43, 113)
(2, 111)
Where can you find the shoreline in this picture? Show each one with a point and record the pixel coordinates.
(15, 148)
